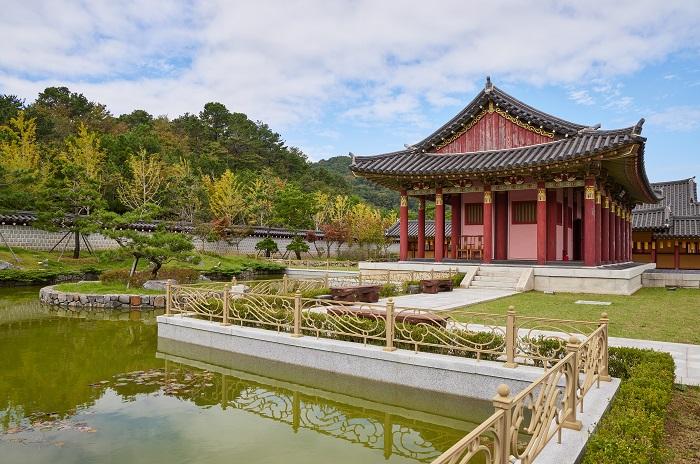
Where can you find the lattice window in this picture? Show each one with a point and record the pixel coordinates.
(524, 212)
(473, 214)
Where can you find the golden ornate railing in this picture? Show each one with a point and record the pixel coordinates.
(521, 426)
(573, 353)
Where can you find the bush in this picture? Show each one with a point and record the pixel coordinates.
(457, 279)
(180, 275)
(42, 276)
(388, 290)
(633, 428)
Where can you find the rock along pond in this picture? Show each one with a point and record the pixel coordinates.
(86, 387)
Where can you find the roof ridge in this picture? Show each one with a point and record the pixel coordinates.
(671, 182)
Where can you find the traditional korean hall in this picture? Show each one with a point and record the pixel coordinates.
(520, 185)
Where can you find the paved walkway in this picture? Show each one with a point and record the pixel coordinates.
(445, 301)
(686, 357)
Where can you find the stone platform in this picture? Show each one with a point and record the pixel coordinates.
(618, 279)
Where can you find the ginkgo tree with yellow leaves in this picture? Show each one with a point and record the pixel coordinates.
(73, 189)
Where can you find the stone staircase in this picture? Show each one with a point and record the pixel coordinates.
(496, 277)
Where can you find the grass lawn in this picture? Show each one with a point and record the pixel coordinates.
(99, 288)
(682, 426)
(651, 313)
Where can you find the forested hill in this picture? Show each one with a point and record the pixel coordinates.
(204, 144)
(368, 191)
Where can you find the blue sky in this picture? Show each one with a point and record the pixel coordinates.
(366, 76)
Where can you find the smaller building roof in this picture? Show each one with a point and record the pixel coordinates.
(677, 215)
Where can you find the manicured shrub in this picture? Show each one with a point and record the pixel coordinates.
(180, 275)
(457, 279)
(41, 276)
(633, 429)
(388, 290)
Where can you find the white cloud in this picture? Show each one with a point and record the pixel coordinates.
(582, 97)
(288, 62)
(677, 118)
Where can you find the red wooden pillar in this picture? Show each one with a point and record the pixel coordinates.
(456, 233)
(589, 223)
(629, 235)
(613, 233)
(625, 235)
(439, 225)
(653, 251)
(605, 230)
(541, 223)
(403, 227)
(620, 242)
(598, 228)
(566, 223)
(488, 225)
(501, 229)
(421, 228)
(676, 255)
(551, 225)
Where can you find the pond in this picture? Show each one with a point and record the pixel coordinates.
(97, 387)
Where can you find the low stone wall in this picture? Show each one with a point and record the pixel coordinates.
(49, 295)
(664, 278)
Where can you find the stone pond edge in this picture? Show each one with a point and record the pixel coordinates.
(49, 295)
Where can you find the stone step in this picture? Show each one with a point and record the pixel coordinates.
(489, 278)
(499, 272)
(492, 284)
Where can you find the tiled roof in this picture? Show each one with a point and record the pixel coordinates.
(394, 231)
(676, 215)
(28, 217)
(412, 162)
(653, 218)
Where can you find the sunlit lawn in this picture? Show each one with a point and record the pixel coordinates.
(651, 313)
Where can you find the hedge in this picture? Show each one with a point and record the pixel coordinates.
(632, 431)
(40, 276)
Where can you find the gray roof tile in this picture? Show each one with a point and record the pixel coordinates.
(677, 215)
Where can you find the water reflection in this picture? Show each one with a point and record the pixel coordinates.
(79, 386)
(355, 420)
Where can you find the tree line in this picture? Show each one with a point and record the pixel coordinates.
(79, 167)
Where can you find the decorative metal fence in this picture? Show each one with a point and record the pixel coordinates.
(573, 353)
(521, 426)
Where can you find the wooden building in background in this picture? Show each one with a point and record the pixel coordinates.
(668, 232)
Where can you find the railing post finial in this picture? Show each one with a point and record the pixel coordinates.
(503, 401)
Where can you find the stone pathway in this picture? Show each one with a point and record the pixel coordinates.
(686, 356)
(445, 301)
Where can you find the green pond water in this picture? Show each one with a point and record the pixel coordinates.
(82, 387)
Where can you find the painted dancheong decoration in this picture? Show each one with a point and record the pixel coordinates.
(521, 185)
